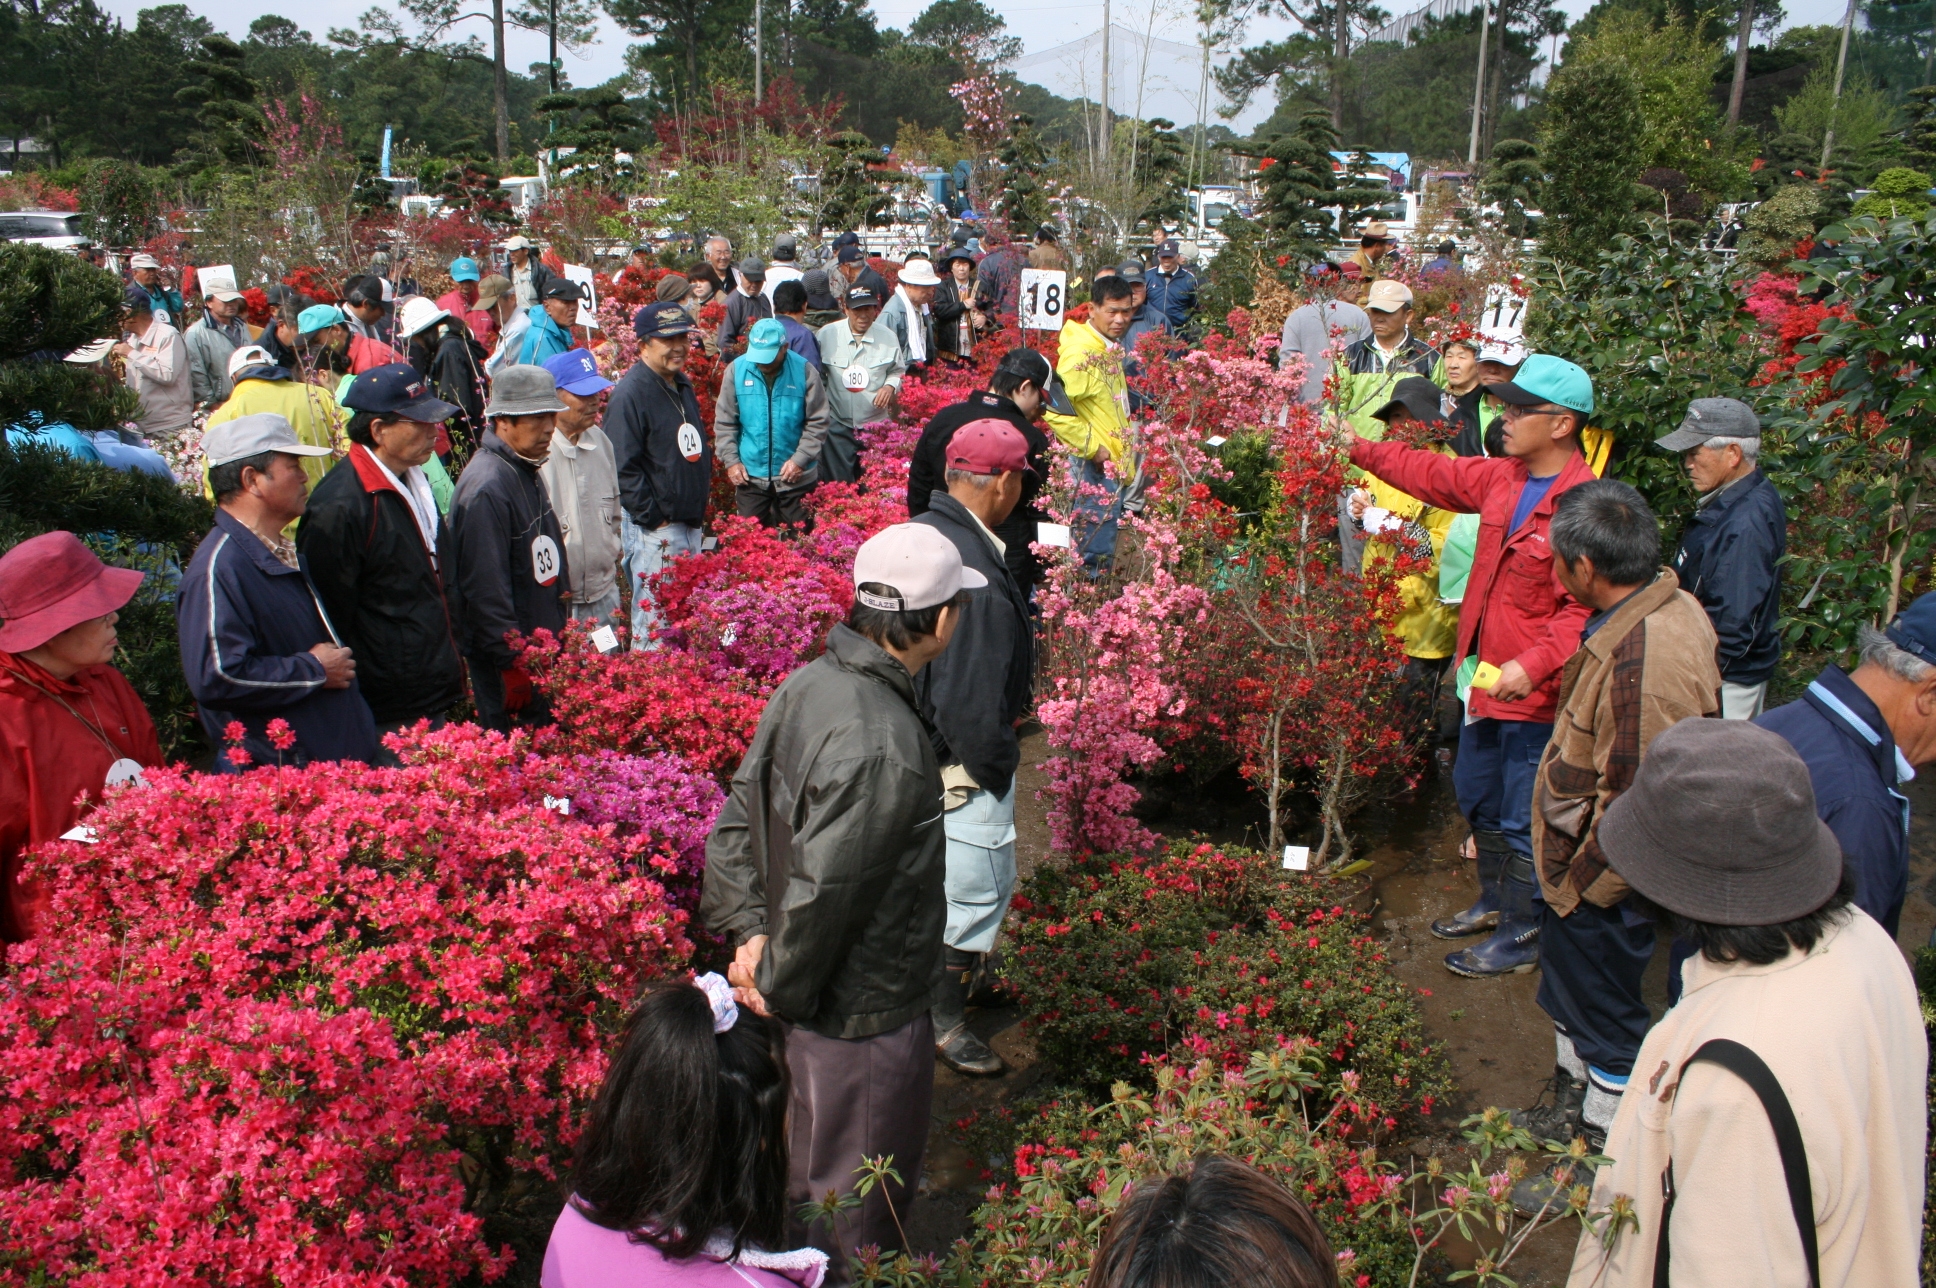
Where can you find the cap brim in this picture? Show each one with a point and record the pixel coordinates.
(228, 297)
(1682, 439)
(1511, 393)
(972, 580)
(107, 593)
(586, 387)
(551, 409)
(1058, 397)
(428, 410)
(762, 353)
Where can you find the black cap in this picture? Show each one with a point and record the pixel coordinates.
(859, 297)
(850, 254)
(563, 288)
(1034, 367)
(138, 300)
(1131, 270)
(1419, 397)
(846, 239)
(1046, 233)
(398, 389)
(661, 321)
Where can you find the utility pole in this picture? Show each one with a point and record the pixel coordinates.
(552, 26)
(1199, 143)
(1105, 82)
(1841, 64)
(1740, 61)
(759, 52)
(1478, 89)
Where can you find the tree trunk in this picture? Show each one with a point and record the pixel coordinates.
(1740, 61)
(1341, 50)
(1498, 76)
(500, 89)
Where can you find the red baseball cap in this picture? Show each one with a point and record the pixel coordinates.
(52, 582)
(988, 446)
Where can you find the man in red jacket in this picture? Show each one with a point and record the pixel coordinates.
(1515, 620)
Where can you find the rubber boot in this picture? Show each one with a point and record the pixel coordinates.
(1483, 915)
(957, 1048)
(1560, 1120)
(1514, 945)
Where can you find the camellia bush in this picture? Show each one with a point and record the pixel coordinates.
(328, 1025)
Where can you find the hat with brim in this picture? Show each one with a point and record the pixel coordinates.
(860, 297)
(420, 314)
(1035, 368)
(90, 353)
(563, 288)
(953, 253)
(523, 390)
(1542, 378)
(492, 289)
(227, 297)
(1419, 398)
(52, 583)
(253, 362)
(765, 340)
(1720, 827)
(519, 242)
(1712, 418)
(252, 435)
(319, 317)
(919, 272)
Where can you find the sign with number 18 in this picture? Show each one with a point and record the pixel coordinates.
(1044, 298)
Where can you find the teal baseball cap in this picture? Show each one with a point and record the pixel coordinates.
(463, 269)
(318, 317)
(1542, 378)
(764, 341)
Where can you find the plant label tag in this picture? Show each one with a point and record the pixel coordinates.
(1297, 858)
(690, 444)
(85, 835)
(1486, 676)
(126, 770)
(1052, 534)
(605, 640)
(854, 379)
(709, 545)
(544, 560)
(1215, 440)
(560, 805)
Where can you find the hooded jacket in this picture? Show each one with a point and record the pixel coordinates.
(657, 484)
(1514, 609)
(506, 557)
(973, 694)
(247, 622)
(1091, 367)
(1730, 559)
(927, 474)
(381, 586)
(831, 842)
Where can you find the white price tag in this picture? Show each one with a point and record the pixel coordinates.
(605, 640)
(545, 560)
(1297, 858)
(1215, 440)
(1052, 534)
(560, 805)
(729, 636)
(587, 307)
(690, 444)
(1044, 298)
(85, 835)
(708, 545)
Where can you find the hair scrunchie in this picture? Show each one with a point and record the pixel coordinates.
(720, 994)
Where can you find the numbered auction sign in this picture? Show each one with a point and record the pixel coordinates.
(587, 307)
(1045, 298)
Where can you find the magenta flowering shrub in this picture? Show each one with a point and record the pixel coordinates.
(660, 805)
(318, 1026)
(760, 630)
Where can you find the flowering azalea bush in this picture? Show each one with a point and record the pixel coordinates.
(1209, 953)
(335, 1024)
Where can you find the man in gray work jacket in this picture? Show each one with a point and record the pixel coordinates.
(826, 869)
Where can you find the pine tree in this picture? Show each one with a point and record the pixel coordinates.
(231, 125)
(1023, 204)
(1299, 183)
(1512, 183)
(850, 196)
(1919, 137)
(1592, 149)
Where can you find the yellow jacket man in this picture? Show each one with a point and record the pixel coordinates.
(1089, 364)
(260, 385)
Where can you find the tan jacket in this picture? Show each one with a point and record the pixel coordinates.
(158, 371)
(582, 478)
(1842, 1032)
(1650, 665)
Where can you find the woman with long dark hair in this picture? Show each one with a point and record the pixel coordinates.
(681, 1175)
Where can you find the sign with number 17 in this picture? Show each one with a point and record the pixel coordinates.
(1044, 298)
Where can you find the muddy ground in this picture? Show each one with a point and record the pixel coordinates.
(1497, 1039)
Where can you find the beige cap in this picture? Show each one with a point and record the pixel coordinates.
(1388, 296)
(919, 566)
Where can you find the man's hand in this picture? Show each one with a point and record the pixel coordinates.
(885, 398)
(1359, 500)
(741, 974)
(1513, 683)
(790, 473)
(517, 688)
(121, 349)
(339, 668)
(737, 473)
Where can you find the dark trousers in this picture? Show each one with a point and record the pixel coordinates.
(852, 1099)
(1493, 777)
(1590, 965)
(487, 691)
(772, 504)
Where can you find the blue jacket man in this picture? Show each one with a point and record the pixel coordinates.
(1729, 557)
(768, 424)
(551, 322)
(1172, 287)
(1862, 736)
(256, 643)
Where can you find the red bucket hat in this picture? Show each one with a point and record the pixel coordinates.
(52, 582)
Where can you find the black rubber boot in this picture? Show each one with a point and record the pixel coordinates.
(1514, 945)
(956, 1047)
(1483, 915)
(1560, 1120)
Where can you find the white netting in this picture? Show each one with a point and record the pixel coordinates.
(1148, 75)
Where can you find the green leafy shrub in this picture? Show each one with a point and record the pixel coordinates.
(1209, 953)
(52, 301)
(1898, 193)
(1777, 224)
(85, 397)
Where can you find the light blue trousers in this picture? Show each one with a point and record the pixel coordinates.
(981, 868)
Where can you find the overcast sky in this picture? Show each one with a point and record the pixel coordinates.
(1041, 24)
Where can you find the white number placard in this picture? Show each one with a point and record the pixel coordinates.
(1045, 298)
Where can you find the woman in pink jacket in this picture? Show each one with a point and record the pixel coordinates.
(681, 1175)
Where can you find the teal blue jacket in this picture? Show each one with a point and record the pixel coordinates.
(545, 339)
(763, 428)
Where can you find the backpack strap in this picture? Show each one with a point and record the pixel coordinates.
(1747, 1066)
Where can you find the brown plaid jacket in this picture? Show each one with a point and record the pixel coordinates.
(1650, 666)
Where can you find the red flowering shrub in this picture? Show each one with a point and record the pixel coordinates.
(310, 1026)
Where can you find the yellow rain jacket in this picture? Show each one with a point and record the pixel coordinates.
(1091, 368)
(1426, 627)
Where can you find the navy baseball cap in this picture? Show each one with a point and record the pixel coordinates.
(1169, 249)
(848, 254)
(661, 321)
(861, 297)
(397, 389)
(576, 372)
(1914, 630)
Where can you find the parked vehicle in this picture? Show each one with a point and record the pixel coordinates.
(56, 229)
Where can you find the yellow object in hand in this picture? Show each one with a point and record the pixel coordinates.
(1486, 676)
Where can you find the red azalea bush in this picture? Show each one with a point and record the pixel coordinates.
(327, 1025)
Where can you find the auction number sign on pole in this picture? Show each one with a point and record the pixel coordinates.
(1044, 299)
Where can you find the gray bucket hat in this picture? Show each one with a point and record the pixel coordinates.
(1712, 418)
(1720, 826)
(523, 391)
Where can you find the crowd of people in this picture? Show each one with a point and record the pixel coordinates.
(1611, 751)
